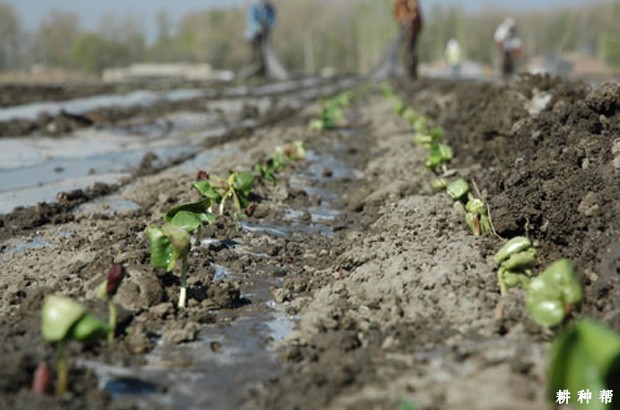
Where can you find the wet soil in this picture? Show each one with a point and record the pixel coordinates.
(392, 300)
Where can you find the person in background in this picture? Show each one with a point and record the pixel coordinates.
(509, 44)
(409, 17)
(454, 57)
(261, 20)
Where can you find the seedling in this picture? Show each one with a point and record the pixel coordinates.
(168, 245)
(410, 116)
(458, 189)
(237, 188)
(283, 155)
(586, 357)
(107, 290)
(553, 294)
(515, 259)
(421, 125)
(331, 114)
(439, 184)
(191, 216)
(428, 138)
(439, 157)
(63, 320)
(477, 217)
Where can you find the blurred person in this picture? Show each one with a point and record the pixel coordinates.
(261, 20)
(455, 58)
(509, 44)
(408, 15)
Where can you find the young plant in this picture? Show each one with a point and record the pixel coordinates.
(236, 188)
(586, 357)
(458, 190)
(428, 138)
(439, 157)
(515, 259)
(283, 155)
(63, 320)
(107, 290)
(439, 184)
(476, 214)
(553, 294)
(191, 216)
(410, 116)
(170, 244)
(331, 114)
(477, 217)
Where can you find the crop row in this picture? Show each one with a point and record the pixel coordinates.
(64, 320)
(585, 354)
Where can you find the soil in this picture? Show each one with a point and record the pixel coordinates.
(394, 302)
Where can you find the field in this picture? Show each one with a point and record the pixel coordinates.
(353, 285)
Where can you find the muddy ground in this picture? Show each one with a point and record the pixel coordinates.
(392, 300)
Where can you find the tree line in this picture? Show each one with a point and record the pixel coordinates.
(348, 35)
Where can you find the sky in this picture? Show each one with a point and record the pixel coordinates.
(90, 12)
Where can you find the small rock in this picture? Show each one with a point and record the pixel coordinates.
(176, 332)
(138, 339)
(282, 295)
(215, 346)
(162, 310)
(140, 290)
(327, 173)
(589, 204)
(585, 164)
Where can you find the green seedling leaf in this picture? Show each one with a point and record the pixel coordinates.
(168, 244)
(509, 279)
(515, 245)
(208, 190)
(266, 172)
(244, 182)
(318, 125)
(439, 184)
(58, 316)
(410, 116)
(439, 154)
(437, 134)
(521, 260)
(421, 125)
(294, 151)
(476, 206)
(190, 216)
(586, 356)
(89, 329)
(458, 189)
(551, 295)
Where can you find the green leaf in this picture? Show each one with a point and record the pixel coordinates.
(191, 207)
(168, 244)
(439, 184)
(438, 154)
(585, 357)
(521, 260)
(515, 245)
(553, 292)
(191, 215)
(244, 182)
(476, 206)
(89, 329)
(207, 189)
(58, 316)
(458, 189)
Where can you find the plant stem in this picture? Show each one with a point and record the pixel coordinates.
(62, 370)
(111, 320)
(183, 291)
